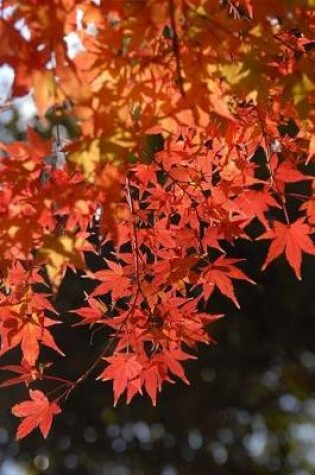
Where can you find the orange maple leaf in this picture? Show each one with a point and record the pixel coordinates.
(25, 372)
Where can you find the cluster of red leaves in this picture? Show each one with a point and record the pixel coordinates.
(196, 130)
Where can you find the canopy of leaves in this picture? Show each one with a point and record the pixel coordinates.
(194, 128)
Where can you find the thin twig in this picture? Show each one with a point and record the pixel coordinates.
(104, 351)
(273, 183)
(135, 240)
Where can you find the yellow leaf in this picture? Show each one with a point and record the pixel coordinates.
(60, 252)
(302, 88)
(44, 90)
(87, 156)
(311, 150)
(234, 72)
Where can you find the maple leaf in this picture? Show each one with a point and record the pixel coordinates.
(286, 172)
(220, 106)
(256, 204)
(17, 275)
(44, 90)
(92, 314)
(153, 376)
(60, 252)
(155, 372)
(172, 359)
(27, 373)
(28, 331)
(291, 239)
(113, 279)
(145, 173)
(37, 412)
(309, 207)
(123, 369)
(220, 274)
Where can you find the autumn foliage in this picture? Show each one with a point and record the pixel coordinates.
(192, 127)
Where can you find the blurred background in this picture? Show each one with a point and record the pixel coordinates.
(250, 408)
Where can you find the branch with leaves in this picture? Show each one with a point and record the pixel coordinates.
(157, 179)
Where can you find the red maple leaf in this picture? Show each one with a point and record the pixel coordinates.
(220, 274)
(123, 369)
(153, 376)
(92, 314)
(113, 279)
(29, 331)
(291, 239)
(38, 411)
(286, 172)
